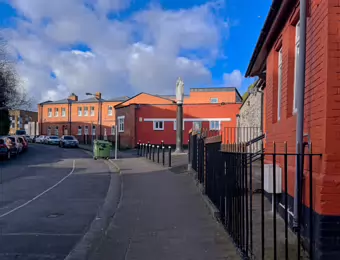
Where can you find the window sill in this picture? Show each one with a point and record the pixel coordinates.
(158, 129)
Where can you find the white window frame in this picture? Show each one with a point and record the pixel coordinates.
(63, 112)
(197, 125)
(92, 113)
(113, 130)
(110, 111)
(12, 122)
(212, 125)
(49, 111)
(86, 130)
(56, 131)
(56, 112)
(279, 84)
(175, 125)
(297, 55)
(121, 124)
(49, 131)
(86, 111)
(80, 111)
(80, 130)
(93, 130)
(158, 125)
(214, 100)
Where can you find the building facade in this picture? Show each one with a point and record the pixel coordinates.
(148, 118)
(275, 60)
(250, 120)
(94, 116)
(20, 118)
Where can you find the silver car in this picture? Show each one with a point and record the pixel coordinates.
(68, 141)
(53, 140)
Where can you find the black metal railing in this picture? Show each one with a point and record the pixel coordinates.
(255, 200)
(155, 153)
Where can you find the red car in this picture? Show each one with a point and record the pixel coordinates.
(24, 142)
(4, 150)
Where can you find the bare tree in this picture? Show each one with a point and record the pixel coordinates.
(12, 95)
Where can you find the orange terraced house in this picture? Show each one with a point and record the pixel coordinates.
(94, 116)
(152, 118)
(274, 59)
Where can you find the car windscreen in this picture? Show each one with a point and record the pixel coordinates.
(53, 137)
(68, 138)
(12, 139)
(20, 132)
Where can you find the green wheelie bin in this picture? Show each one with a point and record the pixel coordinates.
(101, 149)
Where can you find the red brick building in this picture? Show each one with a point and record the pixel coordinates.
(92, 116)
(274, 59)
(148, 118)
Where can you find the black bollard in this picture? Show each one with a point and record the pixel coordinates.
(169, 156)
(153, 153)
(157, 153)
(163, 155)
(150, 148)
(142, 151)
(138, 149)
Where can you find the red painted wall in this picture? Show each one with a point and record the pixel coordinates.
(144, 131)
(322, 103)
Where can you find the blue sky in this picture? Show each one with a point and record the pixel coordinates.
(131, 46)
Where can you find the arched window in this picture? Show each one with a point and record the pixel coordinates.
(110, 111)
(79, 130)
(86, 130)
(93, 130)
(49, 130)
(56, 131)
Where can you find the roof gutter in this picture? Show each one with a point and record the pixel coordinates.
(276, 19)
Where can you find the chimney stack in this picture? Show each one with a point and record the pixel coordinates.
(73, 97)
(98, 95)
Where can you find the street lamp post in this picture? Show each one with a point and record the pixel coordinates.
(179, 117)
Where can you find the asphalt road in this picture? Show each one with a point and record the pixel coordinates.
(48, 198)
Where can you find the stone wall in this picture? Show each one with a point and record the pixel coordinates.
(249, 122)
(250, 112)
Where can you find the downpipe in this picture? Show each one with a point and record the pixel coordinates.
(300, 95)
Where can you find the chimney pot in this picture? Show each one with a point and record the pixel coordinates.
(73, 97)
(98, 95)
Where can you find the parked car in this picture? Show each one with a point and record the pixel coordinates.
(53, 139)
(29, 138)
(68, 141)
(34, 137)
(40, 139)
(4, 150)
(24, 143)
(14, 145)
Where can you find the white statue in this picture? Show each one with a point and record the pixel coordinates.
(179, 90)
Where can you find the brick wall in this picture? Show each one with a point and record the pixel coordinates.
(127, 139)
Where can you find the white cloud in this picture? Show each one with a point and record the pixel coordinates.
(233, 79)
(144, 52)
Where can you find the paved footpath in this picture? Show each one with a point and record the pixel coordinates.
(161, 216)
